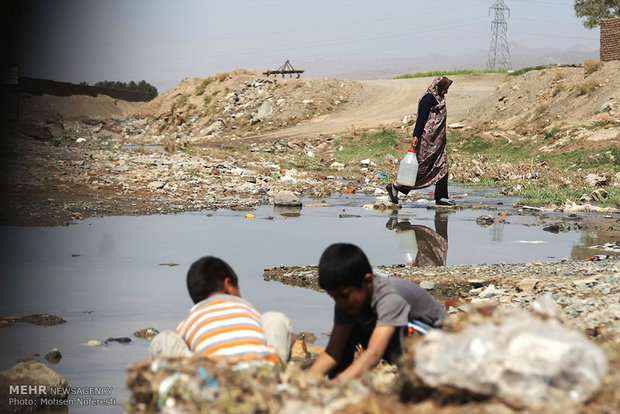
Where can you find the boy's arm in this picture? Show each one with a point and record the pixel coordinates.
(330, 357)
(377, 345)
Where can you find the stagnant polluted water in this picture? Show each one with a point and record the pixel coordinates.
(111, 276)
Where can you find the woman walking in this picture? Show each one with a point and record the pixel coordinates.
(429, 139)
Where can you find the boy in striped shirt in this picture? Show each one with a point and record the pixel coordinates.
(223, 325)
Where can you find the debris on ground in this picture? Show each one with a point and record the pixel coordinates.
(120, 340)
(54, 356)
(146, 333)
(197, 384)
(524, 360)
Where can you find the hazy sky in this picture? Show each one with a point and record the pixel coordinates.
(164, 41)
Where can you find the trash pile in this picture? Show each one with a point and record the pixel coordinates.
(486, 354)
(526, 360)
(197, 384)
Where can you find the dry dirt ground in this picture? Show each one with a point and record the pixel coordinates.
(387, 102)
(226, 141)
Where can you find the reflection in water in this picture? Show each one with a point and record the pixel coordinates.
(419, 245)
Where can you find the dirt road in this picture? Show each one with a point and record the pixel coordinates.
(384, 102)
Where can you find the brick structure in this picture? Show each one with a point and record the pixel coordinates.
(610, 39)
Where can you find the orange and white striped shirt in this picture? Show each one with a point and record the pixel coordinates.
(226, 326)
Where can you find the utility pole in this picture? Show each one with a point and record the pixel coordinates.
(499, 52)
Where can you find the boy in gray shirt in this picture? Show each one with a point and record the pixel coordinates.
(371, 311)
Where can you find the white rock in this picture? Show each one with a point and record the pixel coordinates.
(215, 127)
(490, 291)
(265, 111)
(337, 166)
(307, 101)
(594, 180)
(456, 125)
(80, 140)
(286, 199)
(156, 185)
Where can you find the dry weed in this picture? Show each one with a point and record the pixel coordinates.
(590, 66)
(558, 76)
(559, 88)
(540, 109)
(586, 88)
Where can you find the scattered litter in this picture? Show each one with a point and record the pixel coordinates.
(608, 247)
(523, 360)
(427, 285)
(250, 216)
(120, 340)
(53, 356)
(598, 258)
(572, 207)
(146, 333)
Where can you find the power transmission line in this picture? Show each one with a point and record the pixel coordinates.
(499, 51)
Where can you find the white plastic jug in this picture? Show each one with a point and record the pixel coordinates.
(408, 171)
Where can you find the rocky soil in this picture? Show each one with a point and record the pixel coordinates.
(582, 104)
(584, 294)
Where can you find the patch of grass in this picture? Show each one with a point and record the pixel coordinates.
(523, 71)
(545, 195)
(200, 89)
(437, 73)
(580, 159)
(374, 146)
(500, 149)
(484, 182)
(586, 88)
(558, 195)
(590, 66)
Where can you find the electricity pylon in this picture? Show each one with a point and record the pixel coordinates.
(499, 52)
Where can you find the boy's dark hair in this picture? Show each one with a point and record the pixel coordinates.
(206, 275)
(342, 265)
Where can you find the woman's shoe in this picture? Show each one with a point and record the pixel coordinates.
(444, 202)
(392, 193)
